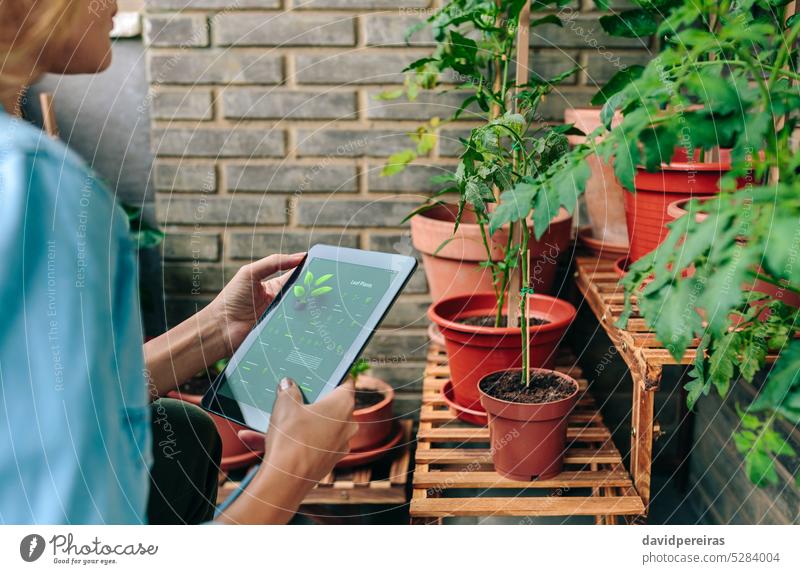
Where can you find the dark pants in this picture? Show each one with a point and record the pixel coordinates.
(187, 451)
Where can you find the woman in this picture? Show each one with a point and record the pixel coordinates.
(85, 436)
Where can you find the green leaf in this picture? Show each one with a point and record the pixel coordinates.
(549, 19)
(720, 366)
(784, 376)
(323, 279)
(321, 291)
(677, 320)
(389, 95)
(630, 24)
(397, 162)
(695, 389)
(625, 163)
(760, 467)
(777, 444)
(515, 205)
(659, 146)
(781, 249)
(307, 280)
(299, 291)
(617, 82)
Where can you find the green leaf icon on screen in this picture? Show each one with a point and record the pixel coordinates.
(311, 287)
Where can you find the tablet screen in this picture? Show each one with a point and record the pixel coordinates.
(312, 327)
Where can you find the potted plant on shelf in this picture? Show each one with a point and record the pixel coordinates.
(723, 278)
(513, 151)
(374, 409)
(656, 159)
(475, 49)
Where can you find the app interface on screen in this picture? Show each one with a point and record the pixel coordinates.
(313, 327)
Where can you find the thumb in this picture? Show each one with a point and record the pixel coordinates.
(340, 401)
(288, 392)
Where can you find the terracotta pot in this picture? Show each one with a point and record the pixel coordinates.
(474, 351)
(375, 423)
(456, 268)
(528, 440)
(646, 210)
(604, 194)
(232, 448)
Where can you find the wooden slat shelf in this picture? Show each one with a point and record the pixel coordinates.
(382, 482)
(641, 351)
(453, 456)
(637, 344)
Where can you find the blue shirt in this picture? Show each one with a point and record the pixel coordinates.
(75, 437)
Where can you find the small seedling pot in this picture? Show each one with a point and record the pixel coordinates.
(528, 440)
(375, 422)
(475, 351)
(453, 261)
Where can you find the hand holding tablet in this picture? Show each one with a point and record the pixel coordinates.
(312, 332)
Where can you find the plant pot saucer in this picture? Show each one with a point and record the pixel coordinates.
(239, 460)
(435, 335)
(472, 416)
(599, 247)
(362, 457)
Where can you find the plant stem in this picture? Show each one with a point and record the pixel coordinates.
(523, 303)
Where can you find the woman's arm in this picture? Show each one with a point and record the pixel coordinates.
(218, 329)
(303, 444)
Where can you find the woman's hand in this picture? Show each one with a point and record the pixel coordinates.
(217, 330)
(302, 445)
(306, 441)
(245, 298)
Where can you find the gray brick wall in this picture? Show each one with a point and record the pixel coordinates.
(269, 138)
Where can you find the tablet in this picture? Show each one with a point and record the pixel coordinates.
(313, 331)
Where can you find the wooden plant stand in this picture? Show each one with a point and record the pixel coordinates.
(452, 456)
(383, 482)
(644, 355)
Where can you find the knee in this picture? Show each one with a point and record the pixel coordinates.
(189, 421)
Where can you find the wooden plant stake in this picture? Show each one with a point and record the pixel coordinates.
(515, 279)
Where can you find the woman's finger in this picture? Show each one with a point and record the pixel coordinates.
(273, 286)
(264, 268)
(253, 440)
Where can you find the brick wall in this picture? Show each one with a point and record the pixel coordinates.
(268, 137)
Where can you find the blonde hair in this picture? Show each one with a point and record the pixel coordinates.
(25, 27)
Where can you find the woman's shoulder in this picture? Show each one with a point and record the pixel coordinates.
(22, 142)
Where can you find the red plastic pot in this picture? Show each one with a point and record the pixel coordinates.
(474, 352)
(456, 268)
(677, 209)
(646, 210)
(234, 452)
(528, 440)
(374, 422)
